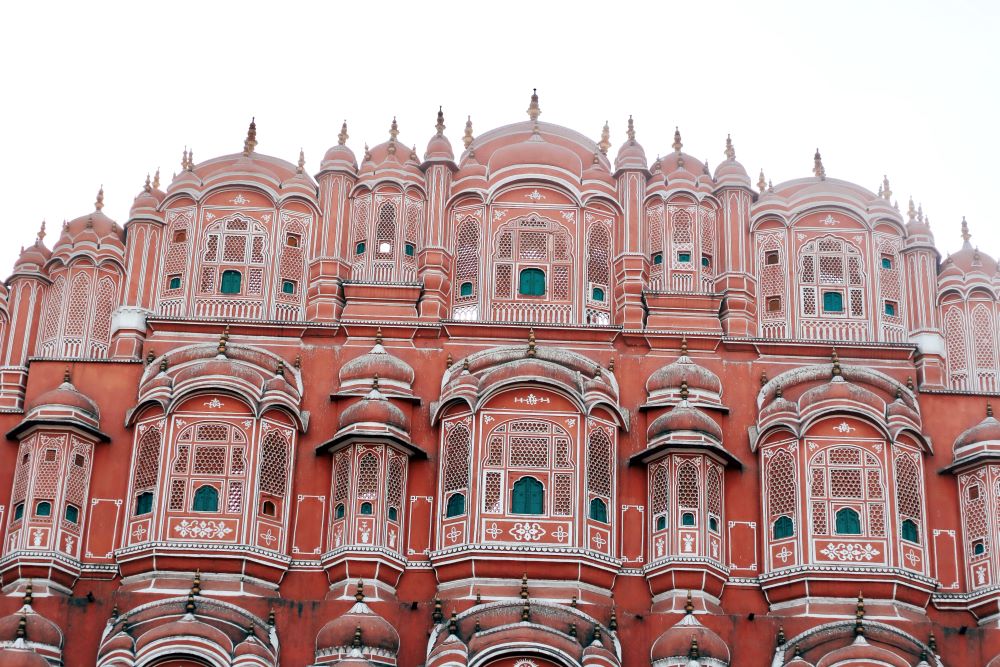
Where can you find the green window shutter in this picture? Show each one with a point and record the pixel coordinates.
(531, 282)
(144, 503)
(909, 531)
(465, 289)
(43, 508)
(687, 519)
(783, 527)
(833, 302)
(529, 496)
(456, 505)
(339, 512)
(288, 287)
(598, 510)
(848, 522)
(232, 282)
(206, 499)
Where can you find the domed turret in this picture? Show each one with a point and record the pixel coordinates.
(704, 385)
(439, 148)
(394, 374)
(981, 440)
(64, 404)
(969, 260)
(731, 173)
(391, 158)
(688, 638)
(683, 418)
(360, 630)
(374, 410)
(34, 257)
(95, 229)
(631, 155)
(340, 157)
(145, 203)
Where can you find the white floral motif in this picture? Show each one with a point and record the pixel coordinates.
(210, 216)
(531, 399)
(488, 419)
(847, 551)
(568, 216)
(268, 537)
(844, 427)
(240, 199)
(560, 533)
(534, 195)
(527, 532)
(139, 533)
(499, 214)
(784, 554)
(493, 531)
(688, 543)
(454, 534)
(599, 541)
(214, 403)
(203, 529)
(829, 220)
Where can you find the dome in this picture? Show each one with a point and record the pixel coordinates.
(699, 379)
(93, 228)
(630, 154)
(145, 203)
(840, 390)
(864, 653)
(188, 628)
(392, 372)
(683, 417)
(376, 632)
(730, 172)
(984, 437)
(536, 151)
(21, 657)
(36, 628)
(676, 642)
(439, 148)
(34, 257)
(374, 409)
(339, 156)
(251, 646)
(65, 395)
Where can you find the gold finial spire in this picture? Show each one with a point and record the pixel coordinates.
(302, 162)
(437, 614)
(730, 151)
(780, 639)
(279, 370)
(440, 122)
(531, 342)
(156, 179)
(251, 141)
(99, 204)
(41, 231)
(836, 363)
(688, 604)
(453, 623)
(356, 639)
(818, 169)
(223, 341)
(684, 390)
(965, 231)
(693, 652)
(524, 586)
(859, 616)
(886, 190)
(911, 212)
(468, 138)
(989, 409)
(378, 336)
(66, 376)
(678, 144)
(147, 187)
(393, 129)
(605, 143)
(613, 622)
(684, 346)
(368, 154)
(359, 594)
(22, 628)
(761, 182)
(28, 596)
(630, 132)
(343, 136)
(534, 111)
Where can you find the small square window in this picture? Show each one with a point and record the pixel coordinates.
(886, 262)
(288, 287)
(180, 235)
(706, 261)
(292, 240)
(890, 308)
(973, 492)
(684, 257)
(359, 249)
(175, 282)
(771, 257)
(773, 304)
(50, 455)
(657, 258)
(833, 302)
(410, 249)
(79, 461)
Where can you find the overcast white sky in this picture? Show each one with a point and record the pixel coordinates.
(102, 93)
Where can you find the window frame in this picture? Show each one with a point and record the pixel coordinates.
(228, 274)
(534, 272)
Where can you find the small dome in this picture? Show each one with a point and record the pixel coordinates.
(864, 653)
(984, 436)
(187, 628)
(698, 378)
(33, 258)
(376, 632)
(630, 154)
(683, 417)
(676, 642)
(536, 150)
(145, 202)
(93, 227)
(339, 156)
(65, 395)
(841, 390)
(439, 148)
(730, 172)
(392, 372)
(374, 409)
(21, 657)
(37, 628)
(251, 646)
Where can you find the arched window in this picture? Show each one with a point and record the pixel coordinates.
(599, 510)
(531, 282)
(72, 513)
(43, 508)
(687, 519)
(456, 505)
(528, 497)
(232, 282)
(848, 522)
(288, 287)
(338, 513)
(467, 258)
(657, 258)
(206, 499)
(661, 522)
(465, 289)
(831, 270)
(393, 514)
(908, 531)
(268, 508)
(783, 527)
(19, 512)
(366, 508)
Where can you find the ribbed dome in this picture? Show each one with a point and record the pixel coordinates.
(145, 202)
(65, 395)
(376, 632)
(391, 371)
(93, 228)
(251, 646)
(631, 154)
(374, 409)
(676, 641)
(983, 436)
(670, 376)
(864, 653)
(730, 172)
(339, 156)
(37, 628)
(21, 657)
(536, 150)
(439, 148)
(185, 627)
(33, 257)
(683, 417)
(841, 391)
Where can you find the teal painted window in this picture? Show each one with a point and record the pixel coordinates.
(232, 282)
(529, 496)
(44, 508)
(456, 505)
(713, 524)
(890, 308)
(144, 503)
(366, 508)
(393, 514)
(706, 261)
(687, 519)
(833, 302)
(597, 294)
(683, 257)
(19, 512)
(661, 523)
(979, 548)
(531, 282)
(72, 514)
(599, 510)
(465, 289)
(360, 248)
(886, 263)
(409, 249)
(288, 287)
(658, 258)
(783, 527)
(908, 530)
(206, 499)
(175, 282)
(339, 512)
(848, 522)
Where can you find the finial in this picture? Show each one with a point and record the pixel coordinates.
(597, 371)
(190, 606)
(99, 204)
(533, 109)
(705, 169)
(368, 154)
(572, 629)
(22, 628)
(597, 634)
(684, 390)
(818, 169)
(449, 361)
(859, 616)
(156, 179)
(440, 122)
(437, 614)
(611, 365)
(147, 186)
(531, 342)
(886, 190)
(524, 586)
(965, 230)
(920, 212)
(479, 598)
(66, 377)
(688, 605)
(911, 212)
(465, 365)
(693, 652)
(989, 409)
(573, 601)
(393, 130)
(164, 364)
(453, 623)
(359, 594)
(302, 162)
(909, 382)
(223, 341)
(356, 639)
(298, 361)
(597, 156)
(190, 166)
(41, 232)
(280, 369)
(677, 145)
(478, 628)
(763, 378)
(730, 151)
(684, 346)
(343, 136)
(780, 640)
(770, 188)
(761, 183)
(270, 617)
(251, 141)
(467, 138)
(378, 336)
(778, 391)
(184, 159)
(613, 622)
(196, 582)
(150, 356)
(525, 612)
(932, 642)
(375, 382)
(28, 597)
(605, 143)
(836, 363)
(114, 611)
(630, 132)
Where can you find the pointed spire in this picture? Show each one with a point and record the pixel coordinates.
(378, 336)
(780, 639)
(28, 597)
(437, 615)
(440, 122)
(859, 616)
(22, 628)
(251, 141)
(684, 346)
(393, 130)
(302, 162)
(359, 594)
(605, 143)
(190, 166)
(413, 155)
(534, 111)
(705, 169)
(965, 232)
(66, 376)
(41, 231)
(280, 368)
(630, 132)
(911, 212)
(770, 188)
(818, 169)
(156, 179)
(524, 586)
(678, 144)
(184, 159)
(730, 151)
(693, 652)
(989, 409)
(223, 341)
(453, 623)
(688, 605)
(920, 212)
(761, 183)
(763, 378)
(147, 186)
(613, 622)
(99, 204)
(356, 639)
(467, 139)
(886, 190)
(368, 155)
(836, 363)
(531, 342)
(343, 136)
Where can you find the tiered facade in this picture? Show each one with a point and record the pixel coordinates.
(527, 407)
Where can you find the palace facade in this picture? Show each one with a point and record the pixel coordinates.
(537, 404)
